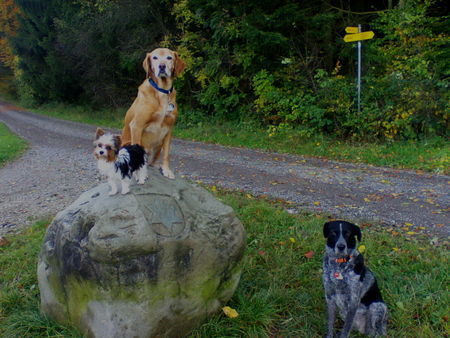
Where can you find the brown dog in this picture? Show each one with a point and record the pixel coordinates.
(151, 117)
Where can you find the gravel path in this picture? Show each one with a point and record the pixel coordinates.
(59, 166)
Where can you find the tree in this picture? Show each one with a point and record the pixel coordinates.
(9, 24)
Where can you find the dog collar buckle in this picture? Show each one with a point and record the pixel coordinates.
(170, 107)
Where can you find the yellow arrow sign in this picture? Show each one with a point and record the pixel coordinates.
(351, 30)
(359, 36)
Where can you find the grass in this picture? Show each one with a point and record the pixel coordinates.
(19, 292)
(430, 155)
(280, 293)
(11, 146)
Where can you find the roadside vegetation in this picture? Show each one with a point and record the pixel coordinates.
(280, 293)
(275, 75)
(11, 146)
(428, 155)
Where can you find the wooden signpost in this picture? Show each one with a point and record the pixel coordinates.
(355, 35)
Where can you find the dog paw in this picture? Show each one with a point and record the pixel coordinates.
(125, 191)
(112, 193)
(142, 182)
(167, 173)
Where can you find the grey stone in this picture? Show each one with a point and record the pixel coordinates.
(153, 263)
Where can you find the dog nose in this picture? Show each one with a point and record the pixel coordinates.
(341, 247)
(101, 152)
(162, 66)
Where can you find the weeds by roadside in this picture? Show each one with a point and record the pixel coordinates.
(11, 146)
(431, 155)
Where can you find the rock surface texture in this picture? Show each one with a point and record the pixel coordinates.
(153, 263)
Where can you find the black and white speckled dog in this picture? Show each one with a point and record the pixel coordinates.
(349, 285)
(119, 164)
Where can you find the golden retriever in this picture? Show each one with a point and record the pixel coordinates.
(151, 117)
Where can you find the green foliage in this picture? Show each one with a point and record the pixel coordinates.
(42, 75)
(411, 86)
(281, 64)
(228, 43)
(85, 51)
(285, 107)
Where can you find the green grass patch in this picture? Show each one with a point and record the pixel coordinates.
(19, 292)
(280, 293)
(11, 146)
(111, 118)
(431, 155)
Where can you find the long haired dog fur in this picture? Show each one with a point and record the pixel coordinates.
(350, 286)
(151, 117)
(119, 164)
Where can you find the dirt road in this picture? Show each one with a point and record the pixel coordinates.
(59, 166)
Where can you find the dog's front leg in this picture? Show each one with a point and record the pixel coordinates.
(165, 165)
(331, 316)
(349, 318)
(113, 183)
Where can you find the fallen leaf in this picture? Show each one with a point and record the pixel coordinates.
(292, 239)
(249, 196)
(362, 248)
(261, 252)
(214, 188)
(229, 312)
(411, 233)
(366, 199)
(3, 241)
(409, 224)
(316, 203)
(395, 249)
(309, 254)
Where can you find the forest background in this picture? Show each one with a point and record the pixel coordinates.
(278, 64)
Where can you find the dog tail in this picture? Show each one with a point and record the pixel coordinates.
(122, 163)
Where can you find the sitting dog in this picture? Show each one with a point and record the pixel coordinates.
(349, 285)
(119, 164)
(151, 117)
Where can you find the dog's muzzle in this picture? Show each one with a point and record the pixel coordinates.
(162, 71)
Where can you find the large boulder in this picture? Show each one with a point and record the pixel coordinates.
(153, 263)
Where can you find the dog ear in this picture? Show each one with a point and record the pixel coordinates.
(357, 232)
(179, 65)
(99, 132)
(147, 65)
(326, 229)
(117, 141)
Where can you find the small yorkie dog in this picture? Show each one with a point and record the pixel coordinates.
(119, 164)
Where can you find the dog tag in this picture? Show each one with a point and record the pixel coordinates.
(170, 107)
(338, 275)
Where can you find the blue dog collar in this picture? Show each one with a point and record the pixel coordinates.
(154, 85)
